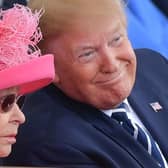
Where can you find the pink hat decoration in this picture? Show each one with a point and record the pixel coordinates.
(19, 36)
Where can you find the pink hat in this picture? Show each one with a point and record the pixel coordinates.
(21, 63)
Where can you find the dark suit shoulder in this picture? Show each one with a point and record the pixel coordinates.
(151, 64)
(148, 55)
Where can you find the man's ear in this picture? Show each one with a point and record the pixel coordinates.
(56, 78)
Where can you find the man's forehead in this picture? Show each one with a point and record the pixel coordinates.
(62, 15)
(105, 28)
(83, 37)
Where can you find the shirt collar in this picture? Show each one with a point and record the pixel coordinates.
(110, 111)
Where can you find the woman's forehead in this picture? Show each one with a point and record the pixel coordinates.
(11, 90)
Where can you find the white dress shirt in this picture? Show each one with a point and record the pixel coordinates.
(134, 117)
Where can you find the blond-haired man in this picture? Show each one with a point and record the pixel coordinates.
(96, 71)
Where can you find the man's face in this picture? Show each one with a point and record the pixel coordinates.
(95, 65)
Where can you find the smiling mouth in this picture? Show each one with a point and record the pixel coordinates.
(113, 78)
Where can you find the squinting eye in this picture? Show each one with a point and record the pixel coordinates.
(87, 56)
(116, 41)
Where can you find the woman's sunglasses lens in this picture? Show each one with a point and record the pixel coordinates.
(8, 102)
(20, 101)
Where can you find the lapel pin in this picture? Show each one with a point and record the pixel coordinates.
(156, 106)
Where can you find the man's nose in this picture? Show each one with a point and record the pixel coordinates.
(18, 115)
(110, 62)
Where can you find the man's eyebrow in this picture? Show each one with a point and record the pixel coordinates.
(115, 29)
(84, 47)
(88, 46)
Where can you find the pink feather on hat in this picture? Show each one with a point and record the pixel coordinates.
(20, 61)
(19, 35)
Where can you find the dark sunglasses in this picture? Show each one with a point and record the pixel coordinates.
(7, 102)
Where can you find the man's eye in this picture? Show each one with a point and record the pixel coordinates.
(116, 41)
(86, 56)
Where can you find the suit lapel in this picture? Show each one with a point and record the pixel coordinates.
(107, 126)
(111, 129)
(143, 94)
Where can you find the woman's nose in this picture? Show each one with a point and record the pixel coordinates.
(18, 115)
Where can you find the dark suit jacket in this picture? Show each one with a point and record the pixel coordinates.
(9, 3)
(62, 132)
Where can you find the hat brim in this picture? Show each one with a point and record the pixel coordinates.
(29, 76)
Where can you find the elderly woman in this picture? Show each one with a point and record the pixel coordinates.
(21, 69)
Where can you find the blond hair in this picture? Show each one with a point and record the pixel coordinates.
(61, 15)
